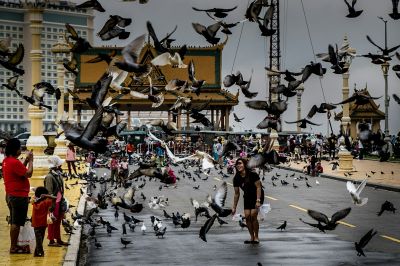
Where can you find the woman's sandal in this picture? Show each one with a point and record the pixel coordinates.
(248, 241)
(20, 250)
(255, 242)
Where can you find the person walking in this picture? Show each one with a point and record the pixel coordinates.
(16, 181)
(54, 183)
(114, 168)
(129, 151)
(71, 158)
(253, 197)
(43, 203)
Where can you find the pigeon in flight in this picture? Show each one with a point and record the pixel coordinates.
(355, 192)
(387, 206)
(363, 242)
(385, 51)
(303, 123)
(275, 108)
(114, 27)
(323, 108)
(218, 202)
(12, 85)
(324, 223)
(396, 98)
(14, 59)
(218, 12)
(395, 10)
(226, 26)
(196, 84)
(208, 32)
(254, 10)
(206, 227)
(81, 45)
(270, 122)
(5, 46)
(163, 45)
(353, 13)
(38, 92)
(130, 55)
(71, 65)
(91, 4)
(245, 88)
(358, 99)
(289, 76)
(237, 119)
(264, 26)
(167, 58)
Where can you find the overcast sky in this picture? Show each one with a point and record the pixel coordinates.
(327, 23)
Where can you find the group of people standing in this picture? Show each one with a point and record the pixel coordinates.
(48, 201)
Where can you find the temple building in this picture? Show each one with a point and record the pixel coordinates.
(368, 113)
(207, 61)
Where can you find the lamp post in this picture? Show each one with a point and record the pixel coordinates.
(60, 50)
(345, 157)
(300, 90)
(274, 78)
(385, 69)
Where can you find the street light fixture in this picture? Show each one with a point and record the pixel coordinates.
(385, 69)
(299, 90)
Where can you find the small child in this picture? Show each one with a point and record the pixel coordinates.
(43, 203)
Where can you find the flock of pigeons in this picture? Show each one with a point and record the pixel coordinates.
(129, 200)
(94, 134)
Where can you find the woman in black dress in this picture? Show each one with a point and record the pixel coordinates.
(253, 197)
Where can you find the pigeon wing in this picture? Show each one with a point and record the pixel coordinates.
(132, 50)
(318, 216)
(257, 105)
(220, 196)
(371, 41)
(337, 216)
(162, 59)
(396, 98)
(350, 187)
(361, 186)
(200, 29)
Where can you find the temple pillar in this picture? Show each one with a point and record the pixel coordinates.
(71, 82)
(129, 122)
(217, 121)
(227, 111)
(212, 116)
(36, 142)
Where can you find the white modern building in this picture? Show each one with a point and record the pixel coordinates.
(14, 22)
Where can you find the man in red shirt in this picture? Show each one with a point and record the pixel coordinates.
(17, 187)
(129, 150)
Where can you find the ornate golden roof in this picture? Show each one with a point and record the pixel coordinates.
(369, 110)
(207, 61)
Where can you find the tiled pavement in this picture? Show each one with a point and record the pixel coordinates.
(387, 175)
(53, 255)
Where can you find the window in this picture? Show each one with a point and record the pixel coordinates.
(15, 116)
(15, 102)
(21, 109)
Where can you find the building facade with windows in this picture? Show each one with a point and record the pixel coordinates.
(14, 23)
